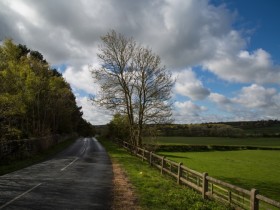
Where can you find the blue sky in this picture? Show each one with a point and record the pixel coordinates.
(224, 53)
(262, 17)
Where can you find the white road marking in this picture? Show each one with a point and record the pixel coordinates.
(85, 146)
(11, 201)
(69, 164)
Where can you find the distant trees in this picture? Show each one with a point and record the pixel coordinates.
(261, 128)
(119, 127)
(133, 83)
(205, 129)
(35, 100)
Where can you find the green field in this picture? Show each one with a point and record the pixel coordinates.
(153, 190)
(262, 141)
(258, 169)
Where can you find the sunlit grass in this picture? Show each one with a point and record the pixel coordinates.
(154, 190)
(258, 169)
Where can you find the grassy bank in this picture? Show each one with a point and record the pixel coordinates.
(153, 190)
(258, 169)
(19, 164)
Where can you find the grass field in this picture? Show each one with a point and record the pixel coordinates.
(258, 169)
(153, 190)
(265, 142)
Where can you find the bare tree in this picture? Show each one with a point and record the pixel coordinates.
(133, 82)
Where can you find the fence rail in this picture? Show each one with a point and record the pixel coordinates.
(26, 147)
(208, 186)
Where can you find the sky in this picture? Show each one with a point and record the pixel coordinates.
(224, 54)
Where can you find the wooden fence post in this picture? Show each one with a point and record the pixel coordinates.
(162, 165)
(179, 173)
(143, 154)
(204, 185)
(254, 202)
(229, 196)
(212, 188)
(150, 158)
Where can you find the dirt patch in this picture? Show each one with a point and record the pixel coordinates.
(123, 191)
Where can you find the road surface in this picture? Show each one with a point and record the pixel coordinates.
(78, 178)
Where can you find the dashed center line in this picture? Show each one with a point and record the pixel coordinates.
(69, 164)
(21, 195)
(11, 201)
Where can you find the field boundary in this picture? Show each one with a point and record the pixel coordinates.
(202, 148)
(209, 187)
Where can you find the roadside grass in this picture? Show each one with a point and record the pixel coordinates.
(153, 190)
(224, 141)
(258, 169)
(14, 165)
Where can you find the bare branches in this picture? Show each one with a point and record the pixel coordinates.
(133, 82)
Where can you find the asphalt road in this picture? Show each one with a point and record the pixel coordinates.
(78, 178)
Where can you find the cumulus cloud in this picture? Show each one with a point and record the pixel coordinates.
(250, 103)
(184, 33)
(187, 111)
(256, 96)
(256, 67)
(189, 107)
(81, 79)
(93, 113)
(188, 85)
(219, 98)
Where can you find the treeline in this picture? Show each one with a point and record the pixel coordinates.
(118, 129)
(35, 100)
(215, 130)
(262, 128)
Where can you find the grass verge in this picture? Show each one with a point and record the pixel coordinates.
(153, 190)
(19, 164)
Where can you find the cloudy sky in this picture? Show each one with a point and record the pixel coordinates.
(224, 53)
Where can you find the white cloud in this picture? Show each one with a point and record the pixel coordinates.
(253, 102)
(256, 96)
(188, 112)
(182, 32)
(93, 113)
(256, 67)
(185, 33)
(219, 99)
(188, 85)
(81, 80)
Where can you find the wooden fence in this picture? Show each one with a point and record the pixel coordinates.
(13, 149)
(208, 186)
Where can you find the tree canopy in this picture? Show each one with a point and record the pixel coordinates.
(133, 83)
(35, 100)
